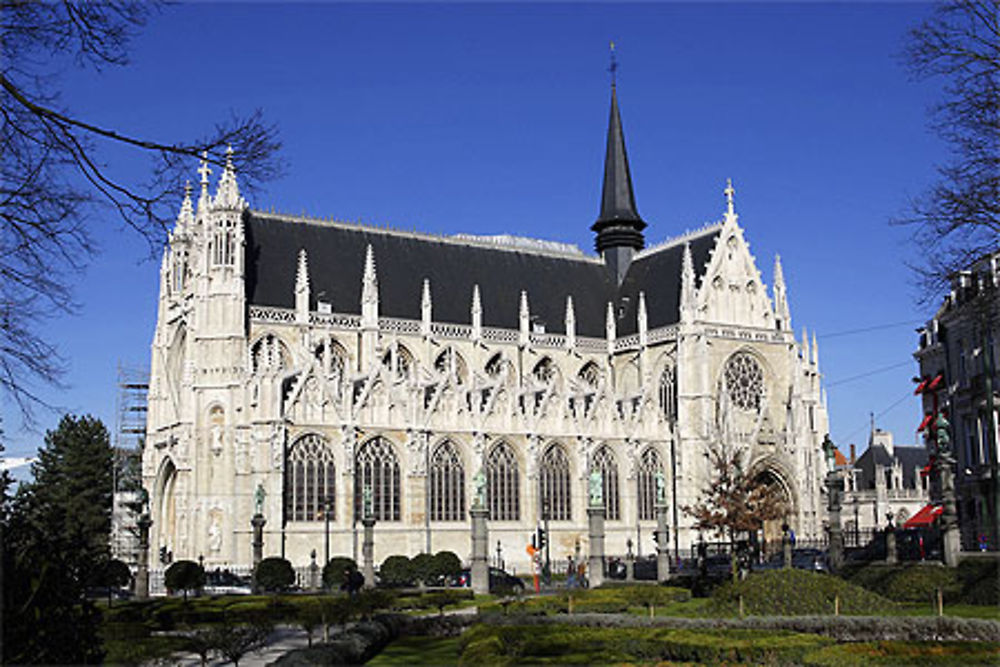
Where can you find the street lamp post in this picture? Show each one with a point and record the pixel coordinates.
(327, 506)
(548, 538)
(499, 555)
(857, 527)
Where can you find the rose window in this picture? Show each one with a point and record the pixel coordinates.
(744, 381)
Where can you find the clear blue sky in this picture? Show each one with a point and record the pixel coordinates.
(491, 119)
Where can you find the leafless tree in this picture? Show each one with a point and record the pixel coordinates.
(957, 221)
(56, 186)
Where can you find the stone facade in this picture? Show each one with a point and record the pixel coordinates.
(311, 400)
(962, 345)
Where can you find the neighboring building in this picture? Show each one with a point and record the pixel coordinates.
(313, 359)
(886, 478)
(962, 345)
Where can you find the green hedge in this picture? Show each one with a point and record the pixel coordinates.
(973, 582)
(795, 592)
(562, 644)
(611, 600)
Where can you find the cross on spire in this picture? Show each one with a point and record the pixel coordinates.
(203, 169)
(729, 192)
(613, 67)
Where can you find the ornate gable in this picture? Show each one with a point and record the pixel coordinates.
(731, 290)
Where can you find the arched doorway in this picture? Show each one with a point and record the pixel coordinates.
(770, 531)
(166, 509)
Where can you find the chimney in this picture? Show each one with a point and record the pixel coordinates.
(852, 454)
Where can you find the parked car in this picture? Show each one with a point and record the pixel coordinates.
(224, 582)
(499, 580)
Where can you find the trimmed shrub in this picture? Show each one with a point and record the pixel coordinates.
(793, 592)
(184, 575)
(274, 575)
(397, 571)
(926, 654)
(446, 565)
(423, 567)
(333, 571)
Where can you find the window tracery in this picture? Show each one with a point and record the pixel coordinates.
(649, 466)
(744, 382)
(545, 372)
(554, 483)
(451, 364)
(268, 355)
(399, 361)
(309, 479)
(377, 467)
(332, 358)
(668, 393)
(502, 490)
(590, 375)
(447, 484)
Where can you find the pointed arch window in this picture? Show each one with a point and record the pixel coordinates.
(545, 372)
(376, 466)
(268, 355)
(224, 244)
(554, 485)
(668, 393)
(604, 461)
(332, 358)
(450, 364)
(502, 496)
(649, 465)
(590, 375)
(399, 361)
(310, 479)
(447, 484)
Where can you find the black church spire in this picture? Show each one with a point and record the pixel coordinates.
(619, 227)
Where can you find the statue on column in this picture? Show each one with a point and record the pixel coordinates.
(479, 489)
(596, 488)
(661, 488)
(258, 499)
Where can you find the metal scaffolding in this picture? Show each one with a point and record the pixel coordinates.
(130, 435)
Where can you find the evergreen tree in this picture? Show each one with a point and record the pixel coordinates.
(55, 542)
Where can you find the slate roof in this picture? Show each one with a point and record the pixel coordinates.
(912, 460)
(336, 254)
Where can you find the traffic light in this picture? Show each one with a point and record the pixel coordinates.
(543, 538)
(163, 554)
(941, 434)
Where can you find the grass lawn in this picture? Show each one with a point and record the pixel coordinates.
(419, 651)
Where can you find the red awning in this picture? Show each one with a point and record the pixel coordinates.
(924, 517)
(935, 383)
(925, 422)
(920, 387)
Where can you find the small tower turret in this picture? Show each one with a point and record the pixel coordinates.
(688, 288)
(610, 330)
(783, 318)
(570, 324)
(426, 308)
(302, 289)
(524, 319)
(476, 311)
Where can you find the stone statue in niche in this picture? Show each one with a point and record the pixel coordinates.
(215, 532)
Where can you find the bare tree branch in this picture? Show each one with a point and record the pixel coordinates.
(55, 189)
(957, 221)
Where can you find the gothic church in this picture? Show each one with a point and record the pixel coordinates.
(314, 359)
